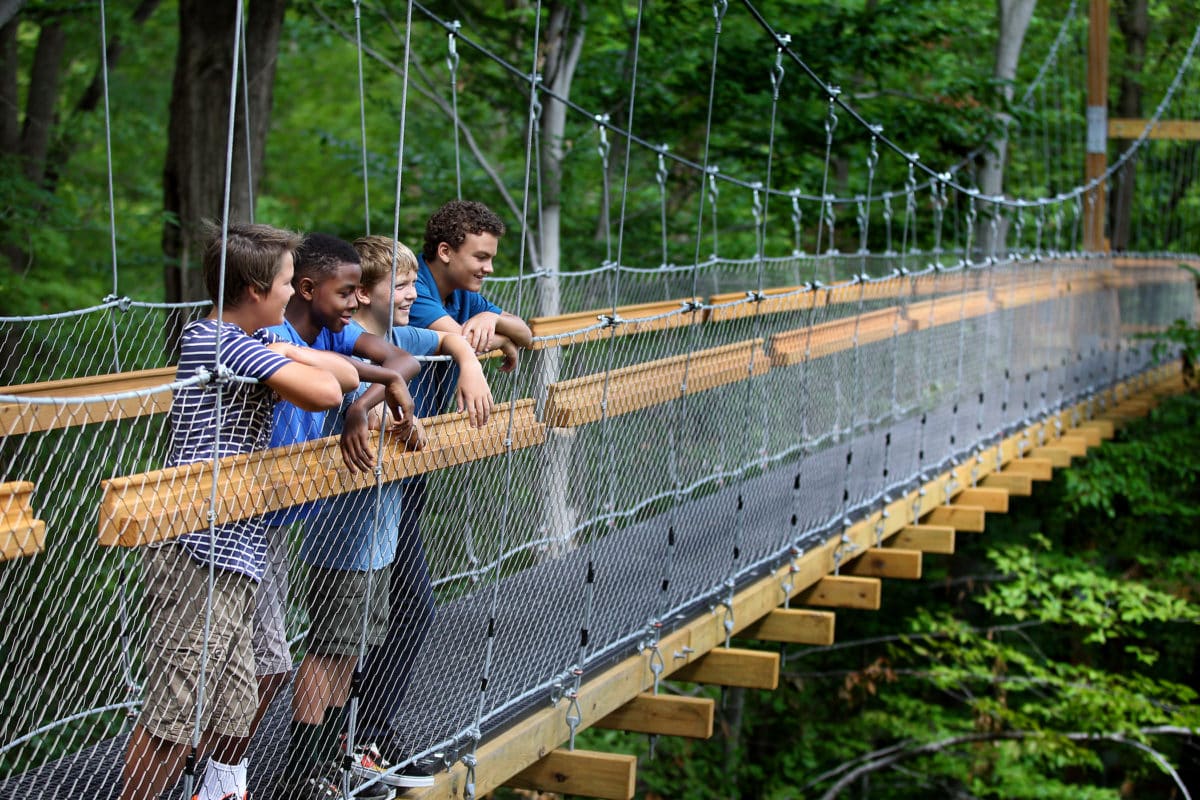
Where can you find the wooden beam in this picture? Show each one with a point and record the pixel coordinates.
(1012, 482)
(926, 538)
(1075, 444)
(843, 591)
(733, 666)
(1179, 130)
(612, 776)
(620, 391)
(581, 326)
(1092, 436)
(162, 504)
(664, 715)
(1059, 457)
(961, 518)
(1039, 469)
(794, 626)
(890, 562)
(989, 499)
(20, 533)
(20, 418)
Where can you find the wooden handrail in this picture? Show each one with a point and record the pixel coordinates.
(162, 504)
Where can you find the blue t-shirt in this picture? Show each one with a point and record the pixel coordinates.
(346, 533)
(245, 426)
(292, 424)
(432, 388)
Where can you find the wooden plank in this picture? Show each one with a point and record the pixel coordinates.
(621, 391)
(1012, 482)
(843, 591)
(961, 518)
(926, 538)
(612, 776)
(20, 533)
(989, 499)
(664, 715)
(891, 562)
(1039, 469)
(794, 626)
(17, 418)
(1092, 436)
(733, 666)
(579, 327)
(1059, 457)
(826, 338)
(1074, 444)
(1178, 130)
(158, 505)
(739, 305)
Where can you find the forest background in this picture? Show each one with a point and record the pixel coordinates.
(1050, 665)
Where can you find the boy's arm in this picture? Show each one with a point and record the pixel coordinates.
(304, 385)
(515, 328)
(390, 373)
(473, 393)
(337, 365)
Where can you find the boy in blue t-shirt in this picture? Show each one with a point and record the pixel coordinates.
(257, 286)
(320, 316)
(352, 541)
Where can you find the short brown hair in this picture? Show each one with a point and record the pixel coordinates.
(253, 255)
(376, 255)
(454, 221)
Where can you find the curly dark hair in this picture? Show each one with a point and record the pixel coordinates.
(320, 254)
(454, 221)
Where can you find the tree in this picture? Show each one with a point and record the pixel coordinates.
(194, 183)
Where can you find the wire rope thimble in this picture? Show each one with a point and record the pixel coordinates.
(574, 715)
(451, 44)
(657, 665)
(797, 218)
(719, 9)
(602, 129)
(535, 104)
(777, 72)
(660, 174)
(469, 761)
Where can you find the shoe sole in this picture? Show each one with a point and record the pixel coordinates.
(413, 781)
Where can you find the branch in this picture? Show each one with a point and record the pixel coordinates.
(445, 108)
(9, 9)
(880, 759)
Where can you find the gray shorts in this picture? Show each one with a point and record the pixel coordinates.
(271, 652)
(176, 589)
(336, 598)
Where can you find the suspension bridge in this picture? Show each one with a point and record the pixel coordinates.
(690, 456)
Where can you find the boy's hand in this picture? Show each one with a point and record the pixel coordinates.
(480, 330)
(474, 395)
(399, 401)
(357, 450)
(412, 434)
(511, 354)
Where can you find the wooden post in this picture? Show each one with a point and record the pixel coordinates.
(1097, 126)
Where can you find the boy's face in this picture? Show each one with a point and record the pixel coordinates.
(334, 300)
(466, 267)
(391, 302)
(276, 300)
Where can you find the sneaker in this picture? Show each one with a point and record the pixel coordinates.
(329, 787)
(369, 762)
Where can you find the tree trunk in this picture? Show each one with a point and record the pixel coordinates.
(1014, 17)
(1133, 18)
(197, 143)
(563, 44)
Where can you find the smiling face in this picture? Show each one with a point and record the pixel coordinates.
(390, 303)
(334, 300)
(466, 267)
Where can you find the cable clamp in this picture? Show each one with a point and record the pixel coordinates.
(610, 320)
(122, 303)
(754, 295)
(690, 305)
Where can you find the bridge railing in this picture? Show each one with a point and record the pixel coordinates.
(646, 460)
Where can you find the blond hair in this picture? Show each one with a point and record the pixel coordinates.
(376, 254)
